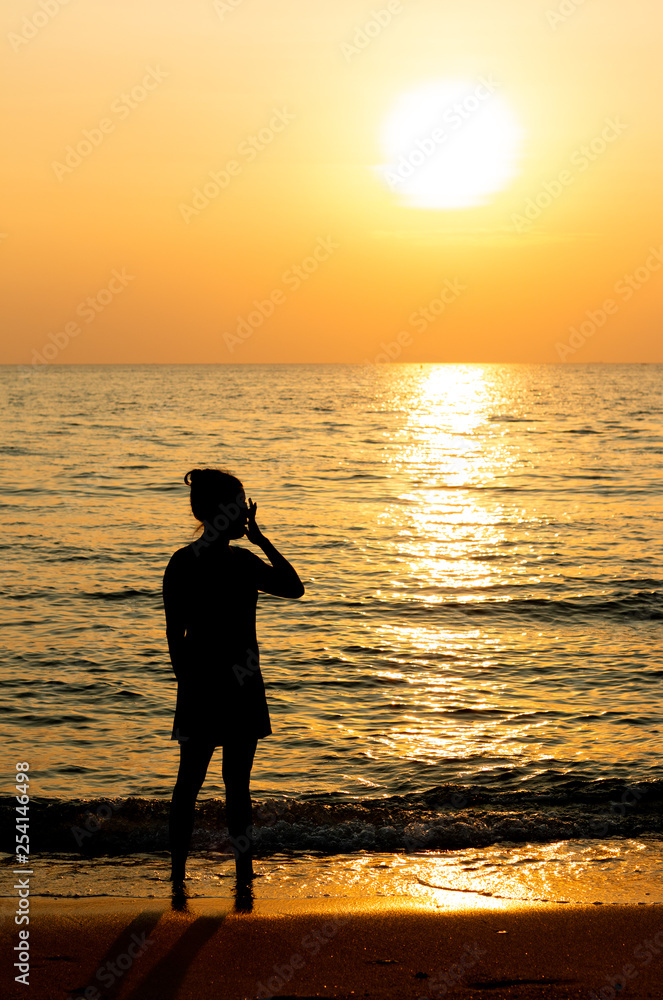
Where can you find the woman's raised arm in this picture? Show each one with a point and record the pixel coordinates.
(281, 578)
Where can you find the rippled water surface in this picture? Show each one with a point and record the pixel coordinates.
(481, 549)
(611, 871)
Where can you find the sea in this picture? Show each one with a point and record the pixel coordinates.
(467, 699)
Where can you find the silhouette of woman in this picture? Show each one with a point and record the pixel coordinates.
(210, 593)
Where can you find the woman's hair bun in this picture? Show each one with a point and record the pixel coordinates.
(188, 479)
(198, 477)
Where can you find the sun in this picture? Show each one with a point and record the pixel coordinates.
(450, 144)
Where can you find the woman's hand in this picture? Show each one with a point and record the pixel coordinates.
(280, 578)
(252, 531)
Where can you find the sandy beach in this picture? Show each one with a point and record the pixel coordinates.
(131, 949)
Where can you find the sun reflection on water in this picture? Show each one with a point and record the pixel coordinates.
(450, 529)
(453, 548)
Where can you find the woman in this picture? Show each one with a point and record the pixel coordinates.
(210, 592)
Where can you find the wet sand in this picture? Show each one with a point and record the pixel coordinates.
(143, 949)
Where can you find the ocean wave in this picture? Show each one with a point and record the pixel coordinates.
(644, 605)
(119, 595)
(445, 817)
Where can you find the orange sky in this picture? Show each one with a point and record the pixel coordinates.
(108, 256)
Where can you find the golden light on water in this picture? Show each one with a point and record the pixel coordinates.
(450, 526)
(451, 534)
(461, 391)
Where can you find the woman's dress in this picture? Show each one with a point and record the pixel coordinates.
(212, 593)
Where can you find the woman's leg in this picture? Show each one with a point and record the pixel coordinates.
(237, 764)
(194, 760)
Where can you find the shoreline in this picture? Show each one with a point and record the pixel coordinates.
(139, 949)
(616, 871)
